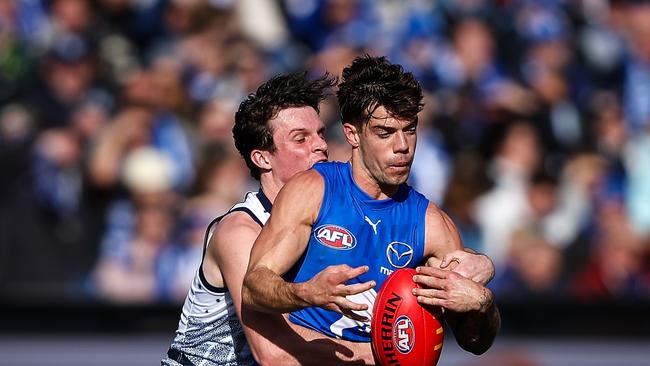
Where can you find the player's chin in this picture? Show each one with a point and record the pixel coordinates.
(320, 158)
(398, 175)
(394, 181)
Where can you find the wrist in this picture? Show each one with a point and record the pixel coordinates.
(300, 294)
(488, 270)
(486, 301)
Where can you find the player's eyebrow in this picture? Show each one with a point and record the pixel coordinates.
(297, 129)
(302, 129)
(384, 128)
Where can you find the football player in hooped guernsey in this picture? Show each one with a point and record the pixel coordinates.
(338, 230)
(279, 133)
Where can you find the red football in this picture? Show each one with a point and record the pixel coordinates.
(404, 332)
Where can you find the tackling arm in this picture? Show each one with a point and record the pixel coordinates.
(272, 339)
(281, 243)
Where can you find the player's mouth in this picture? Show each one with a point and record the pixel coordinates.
(401, 165)
(400, 168)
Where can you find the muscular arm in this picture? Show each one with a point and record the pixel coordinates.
(441, 235)
(469, 306)
(272, 339)
(281, 243)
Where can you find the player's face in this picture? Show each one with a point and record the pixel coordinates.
(298, 135)
(387, 146)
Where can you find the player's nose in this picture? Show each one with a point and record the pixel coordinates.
(320, 145)
(400, 144)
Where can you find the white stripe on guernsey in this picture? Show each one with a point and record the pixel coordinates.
(367, 297)
(182, 326)
(206, 355)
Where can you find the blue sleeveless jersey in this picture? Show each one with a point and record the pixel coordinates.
(354, 229)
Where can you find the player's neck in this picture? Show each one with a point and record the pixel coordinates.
(270, 186)
(364, 180)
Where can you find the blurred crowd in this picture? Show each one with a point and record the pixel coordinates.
(116, 148)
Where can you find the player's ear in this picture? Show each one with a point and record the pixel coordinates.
(261, 159)
(351, 134)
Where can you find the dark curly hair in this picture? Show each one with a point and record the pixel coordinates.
(370, 82)
(252, 131)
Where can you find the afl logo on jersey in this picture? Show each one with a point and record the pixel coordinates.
(335, 237)
(399, 254)
(403, 334)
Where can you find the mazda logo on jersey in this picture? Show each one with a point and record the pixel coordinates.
(335, 237)
(399, 254)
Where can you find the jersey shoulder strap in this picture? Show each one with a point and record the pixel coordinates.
(256, 205)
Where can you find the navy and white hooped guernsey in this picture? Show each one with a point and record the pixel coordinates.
(209, 332)
(354, 229)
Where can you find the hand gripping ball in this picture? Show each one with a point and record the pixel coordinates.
(403, 331)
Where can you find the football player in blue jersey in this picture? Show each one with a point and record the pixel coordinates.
(338, 230)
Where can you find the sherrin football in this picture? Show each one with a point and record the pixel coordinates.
(404, 332)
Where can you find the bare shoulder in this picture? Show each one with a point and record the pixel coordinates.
(229, 246)
(435, 215)
(301, 197)
(441, 233)
(309, 180)
(234, 227)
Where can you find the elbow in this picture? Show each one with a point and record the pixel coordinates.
(479, 349)
(476, 346)
(481, 342)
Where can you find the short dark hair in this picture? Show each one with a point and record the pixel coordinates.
(252, 131)
(370, 82)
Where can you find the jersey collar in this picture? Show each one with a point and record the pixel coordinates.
(266, 203)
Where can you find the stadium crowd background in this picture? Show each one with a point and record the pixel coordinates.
(116, 148)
